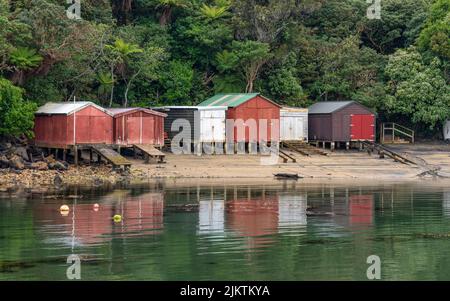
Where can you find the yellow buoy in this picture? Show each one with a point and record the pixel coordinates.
(117, 218)
(64, 208)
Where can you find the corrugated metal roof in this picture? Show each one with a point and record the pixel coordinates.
(293, 109)
(194, 107)
(123, 111)
(327, 107)
(66, 108)
(115, 111)
(230, 100)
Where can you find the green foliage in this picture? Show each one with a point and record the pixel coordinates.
(177, 82)
(152, 52)
(345, 70)
(213, 12)
(16, 115)
(399, 27)
(246, 58)
(284, 84)
(25, 58)
(416, 89)
(435, 37)
(123, 50)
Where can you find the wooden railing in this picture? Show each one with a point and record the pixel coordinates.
(395, 133)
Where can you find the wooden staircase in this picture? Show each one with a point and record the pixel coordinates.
(111, 156)
(393, 133)
(149, 151)
(303, 148)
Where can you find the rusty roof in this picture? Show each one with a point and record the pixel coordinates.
(116, 112)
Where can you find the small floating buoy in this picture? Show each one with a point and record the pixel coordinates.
(96, 207)
(64, 210)
(117, 218)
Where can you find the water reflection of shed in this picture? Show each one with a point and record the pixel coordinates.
(291, 211)
(361, 209)
(446, 203)
(88, 225)
(211, 216)
(253, 217)
(82, 223)
(142, 213)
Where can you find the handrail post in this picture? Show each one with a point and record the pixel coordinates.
(393, 132)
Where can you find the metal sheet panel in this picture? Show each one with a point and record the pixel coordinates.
(212, 126)
(293, 125)
(362, 127)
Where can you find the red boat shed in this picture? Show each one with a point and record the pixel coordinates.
(249, 106)
(138, 126)
(62, 125)
(340, 121)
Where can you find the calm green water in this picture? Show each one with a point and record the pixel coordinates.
(284, 232)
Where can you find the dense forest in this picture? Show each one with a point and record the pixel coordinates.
(296, 52)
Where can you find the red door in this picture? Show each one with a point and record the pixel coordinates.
(133, 130)
(362, 127)
(148, 130)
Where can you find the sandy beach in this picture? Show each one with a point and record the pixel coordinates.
(338, 166)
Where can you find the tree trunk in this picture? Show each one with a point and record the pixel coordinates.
(165, 16)
(129, 85)
(112, 86)
(18, 78)
(249, 87)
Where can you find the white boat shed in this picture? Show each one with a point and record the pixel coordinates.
(293, 124)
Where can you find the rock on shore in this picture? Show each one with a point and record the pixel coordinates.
(19, 171)
(11, 180)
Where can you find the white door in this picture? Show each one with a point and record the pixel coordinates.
(212, 126)
(288, 128)
(447, 130)
(299, 128)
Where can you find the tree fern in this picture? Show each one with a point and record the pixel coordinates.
(24, 58)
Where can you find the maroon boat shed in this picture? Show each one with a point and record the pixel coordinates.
(63, 125)
(340, 121)
(137, 126)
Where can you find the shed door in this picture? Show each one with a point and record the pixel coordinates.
(212, 126)
(148, 130)
(133, 130)
(362, 127)
(292, 128)
(299, 128)
(288, 128)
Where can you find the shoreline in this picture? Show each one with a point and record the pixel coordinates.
(340, 167)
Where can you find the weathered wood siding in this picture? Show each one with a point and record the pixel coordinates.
(293, 125)
(139, 127)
